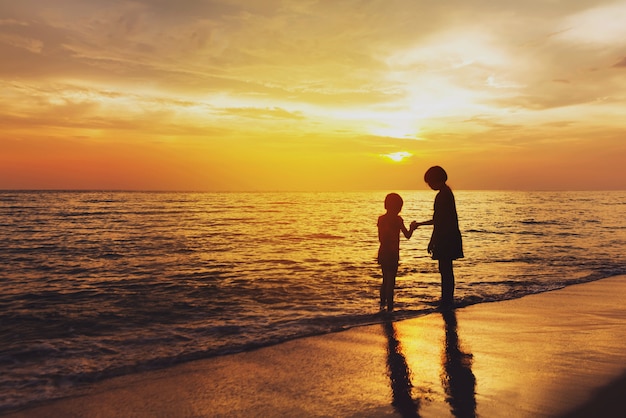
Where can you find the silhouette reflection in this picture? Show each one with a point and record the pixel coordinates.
(457, 378)
(399, 374)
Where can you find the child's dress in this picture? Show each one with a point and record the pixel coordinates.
(446, 239)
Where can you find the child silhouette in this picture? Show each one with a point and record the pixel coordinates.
(389, 227)
(445, 243)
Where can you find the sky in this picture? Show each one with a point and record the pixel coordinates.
(253, 95)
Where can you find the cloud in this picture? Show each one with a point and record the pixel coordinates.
(265, 113)
(620, 64)
(14, 39)
(599, 25)
(317, 51)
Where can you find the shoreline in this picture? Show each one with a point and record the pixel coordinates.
(557, 353)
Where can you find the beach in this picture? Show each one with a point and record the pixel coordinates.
(545, 355)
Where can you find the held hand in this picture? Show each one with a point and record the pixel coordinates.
(414, 225)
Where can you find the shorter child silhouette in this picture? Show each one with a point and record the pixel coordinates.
(389, 226)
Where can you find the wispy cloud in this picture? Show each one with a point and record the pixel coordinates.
(265, 113)
(621, 63)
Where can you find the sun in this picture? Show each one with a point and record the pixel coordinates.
(397, 156)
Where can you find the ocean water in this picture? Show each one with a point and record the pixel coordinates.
(101, 284)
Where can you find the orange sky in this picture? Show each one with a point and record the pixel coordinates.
(312, 95)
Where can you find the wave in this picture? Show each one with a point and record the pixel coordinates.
(536, 222)
(324, 236)
(306, 327)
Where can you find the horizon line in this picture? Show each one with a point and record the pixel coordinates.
(64, 190)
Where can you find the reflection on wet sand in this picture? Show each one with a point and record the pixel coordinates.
(453, 367)
(400, 375)
(458, 381)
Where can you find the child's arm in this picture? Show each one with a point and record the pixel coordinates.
(408, 232)
(430, 244)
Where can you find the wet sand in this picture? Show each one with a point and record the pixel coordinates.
(545, 355)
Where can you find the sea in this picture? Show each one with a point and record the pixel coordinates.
(103, 284)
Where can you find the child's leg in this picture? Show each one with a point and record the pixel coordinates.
(390, 288)
(447, 282)
(383, 289)
(389, 283)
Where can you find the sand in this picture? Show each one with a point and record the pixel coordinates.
(544, 355)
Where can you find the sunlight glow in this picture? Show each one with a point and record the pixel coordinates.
(401, 132)
(398, 156)
(395, 124)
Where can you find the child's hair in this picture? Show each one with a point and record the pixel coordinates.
(435, 174)
(393, 202)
